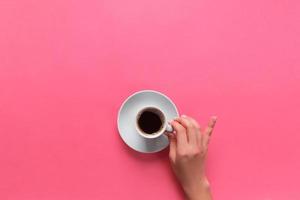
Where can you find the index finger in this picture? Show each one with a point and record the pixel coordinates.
(180, 134)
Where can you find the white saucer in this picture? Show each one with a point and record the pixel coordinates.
(127, 119)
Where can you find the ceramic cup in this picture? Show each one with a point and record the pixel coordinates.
(165, 126)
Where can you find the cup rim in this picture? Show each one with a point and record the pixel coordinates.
(157, 134)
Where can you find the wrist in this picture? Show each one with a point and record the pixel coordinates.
(198, 191)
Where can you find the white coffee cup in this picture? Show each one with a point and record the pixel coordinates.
(156, 114)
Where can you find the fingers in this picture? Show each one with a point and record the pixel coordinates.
(193, 121)
(191, 128)
(188, 135)
(172, 151)
(208, 131)
(181, 137)
(210, 126)
(198, 131)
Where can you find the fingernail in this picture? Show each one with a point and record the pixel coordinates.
(183, 115)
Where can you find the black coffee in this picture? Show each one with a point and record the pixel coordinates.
(149, 122)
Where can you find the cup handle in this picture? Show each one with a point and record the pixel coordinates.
(169, 128)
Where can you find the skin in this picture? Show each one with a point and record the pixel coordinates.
(188, 148)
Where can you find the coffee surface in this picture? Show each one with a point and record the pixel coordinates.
(149, 122)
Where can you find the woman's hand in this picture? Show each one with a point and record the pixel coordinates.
(188, 147)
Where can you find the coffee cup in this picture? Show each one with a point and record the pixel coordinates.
(151, 122)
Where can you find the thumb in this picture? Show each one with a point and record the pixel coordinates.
(172, 151)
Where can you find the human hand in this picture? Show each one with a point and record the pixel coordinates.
(188, 148)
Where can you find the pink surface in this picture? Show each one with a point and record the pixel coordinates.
(66, 66)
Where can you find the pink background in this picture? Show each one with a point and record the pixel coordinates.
(66, 66)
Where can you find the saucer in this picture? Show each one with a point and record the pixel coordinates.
(127, 120)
